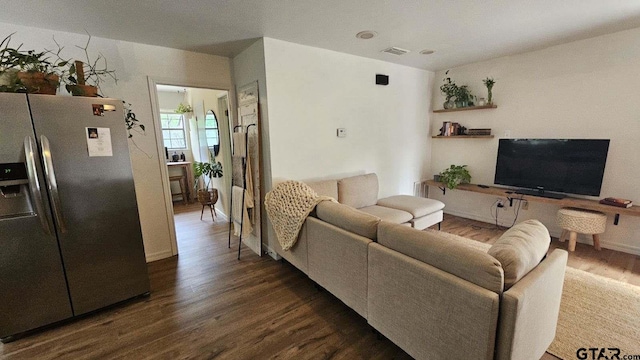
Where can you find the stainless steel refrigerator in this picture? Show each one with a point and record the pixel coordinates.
(70, 238)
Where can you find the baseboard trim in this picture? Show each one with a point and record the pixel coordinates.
(269, 251)
(158, 256)
(635, 250)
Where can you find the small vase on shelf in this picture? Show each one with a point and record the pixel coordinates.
(449, 104)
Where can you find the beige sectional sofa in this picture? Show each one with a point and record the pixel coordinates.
(361, 192)
(434, 296)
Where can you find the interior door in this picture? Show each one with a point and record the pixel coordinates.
(88, 168)
(33, 291)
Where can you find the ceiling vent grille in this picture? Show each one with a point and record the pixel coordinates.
(395, 51)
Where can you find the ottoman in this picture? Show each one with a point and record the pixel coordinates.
(574, 221)
(425, 212)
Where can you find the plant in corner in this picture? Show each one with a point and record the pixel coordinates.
(454, 176)
(449, 89)
(489, 82)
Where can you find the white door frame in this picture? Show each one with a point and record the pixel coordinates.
(157, 128)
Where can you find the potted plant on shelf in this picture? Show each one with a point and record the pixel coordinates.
(489, 82)
(463, 97)
(454, 176)
(449, 89)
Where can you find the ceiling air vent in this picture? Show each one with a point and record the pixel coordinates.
(395, 51)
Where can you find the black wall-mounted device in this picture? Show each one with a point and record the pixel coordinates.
(382, 79)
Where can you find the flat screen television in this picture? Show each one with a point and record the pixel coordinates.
(573, 166)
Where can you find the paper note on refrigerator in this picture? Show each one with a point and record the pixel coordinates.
(99, 141)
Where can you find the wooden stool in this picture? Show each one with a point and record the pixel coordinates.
(574, 221)
(183, 186)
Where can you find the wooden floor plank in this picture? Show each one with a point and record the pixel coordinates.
(207, 304)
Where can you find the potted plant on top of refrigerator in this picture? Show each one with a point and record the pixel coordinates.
(29, 71)
(83, 77)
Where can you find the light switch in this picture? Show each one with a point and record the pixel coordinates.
(342, 132)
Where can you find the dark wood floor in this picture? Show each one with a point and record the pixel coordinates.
(207, 304)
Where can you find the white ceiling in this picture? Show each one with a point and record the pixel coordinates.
(460, 31)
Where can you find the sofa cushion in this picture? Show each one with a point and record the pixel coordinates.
(358, 191)
(416, 206)
(348, 218)
(325, 187)
(520, 249)
(450, 256)
(388, 214)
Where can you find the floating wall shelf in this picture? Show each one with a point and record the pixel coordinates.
(463, 137)
(493, 106)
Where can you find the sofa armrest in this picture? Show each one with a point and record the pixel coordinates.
(529, 310)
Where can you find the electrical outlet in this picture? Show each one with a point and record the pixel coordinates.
(500, 202)
(341, 132)
(525, 205)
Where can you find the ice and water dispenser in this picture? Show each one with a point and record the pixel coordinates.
(14, 191)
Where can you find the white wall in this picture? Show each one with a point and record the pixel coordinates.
(584, 89)
(313, 91)
(134, 63)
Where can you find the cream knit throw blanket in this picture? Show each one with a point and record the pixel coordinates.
(288, 204)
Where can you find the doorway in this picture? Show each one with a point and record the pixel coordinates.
(194, 133)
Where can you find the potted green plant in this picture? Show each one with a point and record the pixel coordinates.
(186, 110)
(449, 89)
(83, 77)
(463, 96)
(454, 176)
(489, 82)
(203, 173)
(29, 71)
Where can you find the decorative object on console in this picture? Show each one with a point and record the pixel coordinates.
(489, 82)
(481, 102)
(455, 175)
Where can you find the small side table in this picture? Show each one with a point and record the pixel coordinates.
(574, 221)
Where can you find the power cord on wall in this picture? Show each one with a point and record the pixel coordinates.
(497, 205)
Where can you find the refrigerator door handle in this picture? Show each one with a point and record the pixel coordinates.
(34, 184)
(53, 185)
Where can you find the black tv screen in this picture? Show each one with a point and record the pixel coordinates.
(572, 166)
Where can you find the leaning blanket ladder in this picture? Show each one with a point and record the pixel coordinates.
(244, 185)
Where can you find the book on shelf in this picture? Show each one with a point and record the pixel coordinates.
(617, 204)
(618, 200)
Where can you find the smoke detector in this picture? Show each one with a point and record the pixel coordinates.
(395, 51)
(366, 35)
(427, 52)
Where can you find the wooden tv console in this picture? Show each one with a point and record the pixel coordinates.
(565, 202)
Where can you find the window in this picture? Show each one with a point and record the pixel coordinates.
(173, 131)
